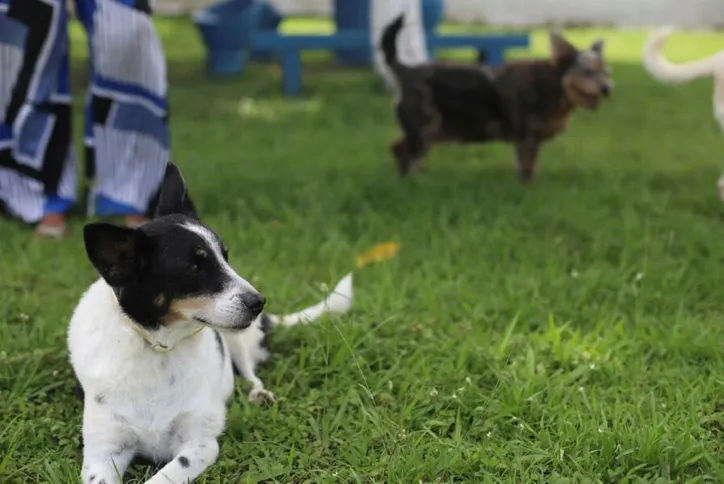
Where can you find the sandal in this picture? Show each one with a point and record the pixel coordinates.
(52, 226)
(135, 221)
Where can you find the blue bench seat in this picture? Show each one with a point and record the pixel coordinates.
(288, 48)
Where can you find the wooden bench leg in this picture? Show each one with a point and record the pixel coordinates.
(291, 60)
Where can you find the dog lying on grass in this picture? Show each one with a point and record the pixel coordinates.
(154, 342)
(667, 72)
(525, 102)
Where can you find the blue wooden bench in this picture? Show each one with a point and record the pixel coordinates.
(492, 45)
(288, 48)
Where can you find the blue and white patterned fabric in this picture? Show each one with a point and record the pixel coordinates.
(126, 134)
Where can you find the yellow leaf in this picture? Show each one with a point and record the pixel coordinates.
(378, 253)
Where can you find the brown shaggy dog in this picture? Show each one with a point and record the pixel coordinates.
(522, 102)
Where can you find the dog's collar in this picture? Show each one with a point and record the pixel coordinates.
(155, 345)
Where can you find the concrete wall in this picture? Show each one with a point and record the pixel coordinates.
(683, 13)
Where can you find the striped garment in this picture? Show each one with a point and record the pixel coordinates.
(126, 131)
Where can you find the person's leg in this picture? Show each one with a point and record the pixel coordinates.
(411, 44)
(127, 136)
(37, 161)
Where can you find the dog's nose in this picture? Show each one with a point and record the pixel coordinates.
(606, 90)
(254, 302)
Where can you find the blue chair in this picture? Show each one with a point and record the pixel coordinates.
(269, 20)
(226, 29)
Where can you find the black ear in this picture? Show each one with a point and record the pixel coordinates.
(117, 253)
(174, 197)
(560, 47)
(597, 47)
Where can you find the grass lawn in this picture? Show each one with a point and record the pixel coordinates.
(570, 331)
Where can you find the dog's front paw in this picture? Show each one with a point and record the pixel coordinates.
(259, 395)
(158, 479)
(92, 477)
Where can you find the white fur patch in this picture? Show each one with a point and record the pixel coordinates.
(168, 407)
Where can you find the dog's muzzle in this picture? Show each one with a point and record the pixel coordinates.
(254, 302)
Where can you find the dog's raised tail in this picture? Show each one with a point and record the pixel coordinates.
(665, 71)
(389, 41)
(338, 301)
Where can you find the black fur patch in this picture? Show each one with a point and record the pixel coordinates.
(266, 325)
(161, 257)
(173, 255)
(220, 342)
(183, 461)
(165, 252)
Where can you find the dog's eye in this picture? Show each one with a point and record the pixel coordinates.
(589, 72)
(198, 260)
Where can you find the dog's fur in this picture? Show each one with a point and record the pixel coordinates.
(522, 102)
(667, 72)
(154, 342)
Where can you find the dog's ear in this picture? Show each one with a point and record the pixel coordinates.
(597, 47)
(117, 253)
(560, 47)
(174, 196)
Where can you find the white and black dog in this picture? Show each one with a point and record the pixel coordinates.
(154, 342)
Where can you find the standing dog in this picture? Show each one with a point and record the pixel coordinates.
(154, 342)
(523, 102)
(664, 71)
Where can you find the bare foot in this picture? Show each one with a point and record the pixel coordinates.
(135, 221)
(52, 226)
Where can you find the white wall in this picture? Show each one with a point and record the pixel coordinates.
(684, 13)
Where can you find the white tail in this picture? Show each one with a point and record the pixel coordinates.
(339, 301)
(664, 71)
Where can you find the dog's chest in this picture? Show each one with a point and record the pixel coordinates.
(556, 125)
(152, 399)
(547, 127)
(173, 399)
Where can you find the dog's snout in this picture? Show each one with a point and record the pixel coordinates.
(606, 90)
(254, 302)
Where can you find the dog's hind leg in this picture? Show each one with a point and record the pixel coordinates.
(247, 351)
(402, 156)
(526, 155)
(420, 124)
(410, 151)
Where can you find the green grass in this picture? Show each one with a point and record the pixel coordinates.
(570, 331)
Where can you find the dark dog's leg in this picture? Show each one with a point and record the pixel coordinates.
(410, 152)
(527, 155)
(420, 123)
(400, 151)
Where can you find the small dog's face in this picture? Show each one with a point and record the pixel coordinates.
(173, 268)
(586, 77)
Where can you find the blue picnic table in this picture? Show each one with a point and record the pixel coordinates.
(235, 26)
